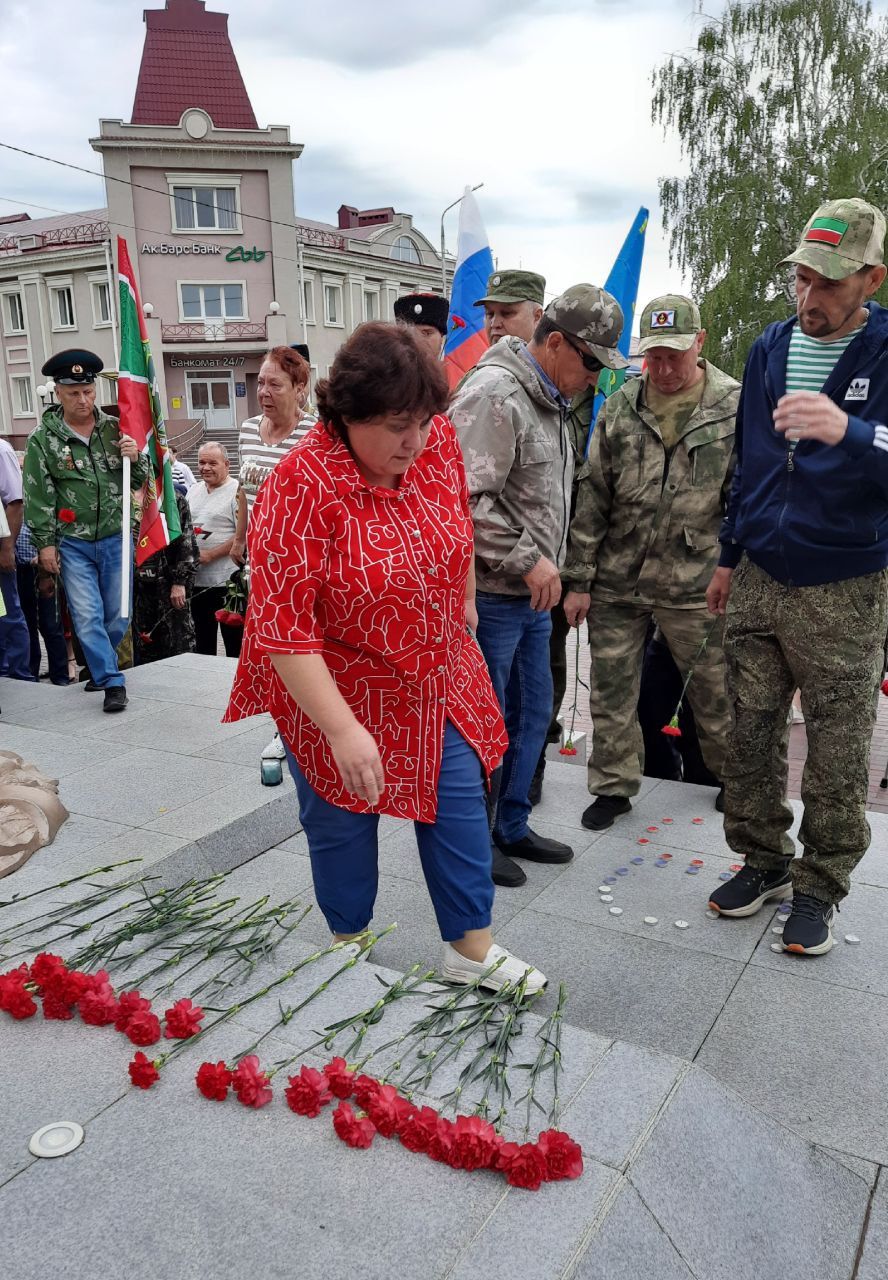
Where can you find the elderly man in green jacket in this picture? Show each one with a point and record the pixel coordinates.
(73, 491)
(644, 542)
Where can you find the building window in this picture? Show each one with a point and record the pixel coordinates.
(371, 304)
(404, 250)
(106, 390)
(212, 301)
(13, 313)
(101, 304)
(308, 301)
(333, 304)
(205, 209)
(22, 398)
(62, 307)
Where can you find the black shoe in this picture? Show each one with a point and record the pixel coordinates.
(536, 848)
(92, 687)
(601, 813)
(535, 791)
(807, 930)
(115, 698)
(720, 799)
(506, 873)
(749, 890)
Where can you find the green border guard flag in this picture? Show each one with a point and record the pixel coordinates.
(141, 416)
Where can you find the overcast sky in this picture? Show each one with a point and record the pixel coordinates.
(547, 102)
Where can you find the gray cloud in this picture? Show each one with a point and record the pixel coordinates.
(360, 35)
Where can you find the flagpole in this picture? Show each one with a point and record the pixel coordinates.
(126, 544)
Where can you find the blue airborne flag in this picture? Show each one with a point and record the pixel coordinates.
(623, 284)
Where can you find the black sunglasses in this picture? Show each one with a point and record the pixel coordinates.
(590, 364)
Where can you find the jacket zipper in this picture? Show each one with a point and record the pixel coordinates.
(790, 468)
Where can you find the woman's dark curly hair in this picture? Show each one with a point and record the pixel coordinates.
(381, 369)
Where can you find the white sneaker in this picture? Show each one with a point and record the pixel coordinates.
(274, 750)
(456, 968)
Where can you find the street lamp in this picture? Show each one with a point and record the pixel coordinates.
(443, 250)
(45, 392)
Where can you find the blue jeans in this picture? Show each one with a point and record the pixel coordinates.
(15, 638)
(515, 642)
(91, 574)
(454, 849)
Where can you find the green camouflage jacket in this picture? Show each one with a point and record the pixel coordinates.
(63, 473)
(645, 530)
(519, 466)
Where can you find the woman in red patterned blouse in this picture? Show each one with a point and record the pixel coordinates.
(357, 642)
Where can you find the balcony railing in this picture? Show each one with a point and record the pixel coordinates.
(214, 331)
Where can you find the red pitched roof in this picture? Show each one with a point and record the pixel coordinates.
(188, 61)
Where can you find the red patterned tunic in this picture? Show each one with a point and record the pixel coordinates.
(374, 579)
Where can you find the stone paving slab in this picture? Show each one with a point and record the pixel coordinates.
(741, 1198)
(666, 893)
(629, 1244)
(809, 1054)
(624, 986)
(874, 1259)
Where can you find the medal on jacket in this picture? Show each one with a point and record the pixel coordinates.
(69, 459)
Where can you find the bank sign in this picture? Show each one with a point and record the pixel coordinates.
(237, 254)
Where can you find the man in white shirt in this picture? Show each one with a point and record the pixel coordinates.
(213, 503)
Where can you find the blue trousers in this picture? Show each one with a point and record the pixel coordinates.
(515, 642)
(43, 615)
(15, 639)
(91, 573)
(454, 850)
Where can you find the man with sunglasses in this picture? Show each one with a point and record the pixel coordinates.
(644, 544)
(510, 413)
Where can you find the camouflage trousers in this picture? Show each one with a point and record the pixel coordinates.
(617, 638)
(828, 642)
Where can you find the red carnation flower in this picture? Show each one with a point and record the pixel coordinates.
(441, 1144)
(72, 985)
(524, 1166)
(418, 1128)
(143, 1072)
(339, 1078)
(16, 1000)
(12, 989)
(66, 515)
(98, 1006)
(196, 530)
(384, 1111)
(567, 750)
(354, 1131)
(365, 1089)
(54, 1008)
(457, 322)
(308, 1093)
(672, 729)
(250, 1083)
(47, 970)
(213, 1080)
(128, 1005)
(475, 1142)
(145, 637)
(143, 1028)
(183, 1020)
(563, 1156)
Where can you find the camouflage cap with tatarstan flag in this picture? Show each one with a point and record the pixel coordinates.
(595, 317)
(514, 286)
(671, 321)
(842, 237)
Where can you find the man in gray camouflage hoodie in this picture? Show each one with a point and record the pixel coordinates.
(510, 414)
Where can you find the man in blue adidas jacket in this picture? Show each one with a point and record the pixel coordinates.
(803, 560)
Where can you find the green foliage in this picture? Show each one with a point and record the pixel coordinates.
(782, 105)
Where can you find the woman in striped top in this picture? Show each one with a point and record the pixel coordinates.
(262, 443)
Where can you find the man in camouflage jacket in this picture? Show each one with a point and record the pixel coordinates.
(73, 491)
(644, 543)
(510, 416)
(162, 621)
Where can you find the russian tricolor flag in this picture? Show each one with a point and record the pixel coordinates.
(466, 339)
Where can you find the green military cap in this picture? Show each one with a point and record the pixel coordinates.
(671, 321)
(842, 237)
(595, 317)
(514, 286)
